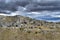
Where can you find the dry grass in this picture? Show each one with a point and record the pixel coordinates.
(15, 33)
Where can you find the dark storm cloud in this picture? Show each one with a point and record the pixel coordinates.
(41, 5)
(36, 7)
(19, 2)
(11, 7)
(25, 2)
(30, 5)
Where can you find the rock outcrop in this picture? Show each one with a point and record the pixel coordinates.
(19, 21)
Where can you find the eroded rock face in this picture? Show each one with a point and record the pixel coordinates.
(14, 21)
(20, 21)
(8, 21)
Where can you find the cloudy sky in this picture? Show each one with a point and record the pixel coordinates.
(48, 10)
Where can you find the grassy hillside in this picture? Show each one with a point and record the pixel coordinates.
(15, 33)
(25, 28)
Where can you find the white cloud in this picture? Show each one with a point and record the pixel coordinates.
(43, 15)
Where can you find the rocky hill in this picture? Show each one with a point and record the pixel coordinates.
(25, 28)
(18, 21)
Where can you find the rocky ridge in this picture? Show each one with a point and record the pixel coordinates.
(18, 21)
(25, 28)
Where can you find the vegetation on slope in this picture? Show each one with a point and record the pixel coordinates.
(15, 33)
(25, 28)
